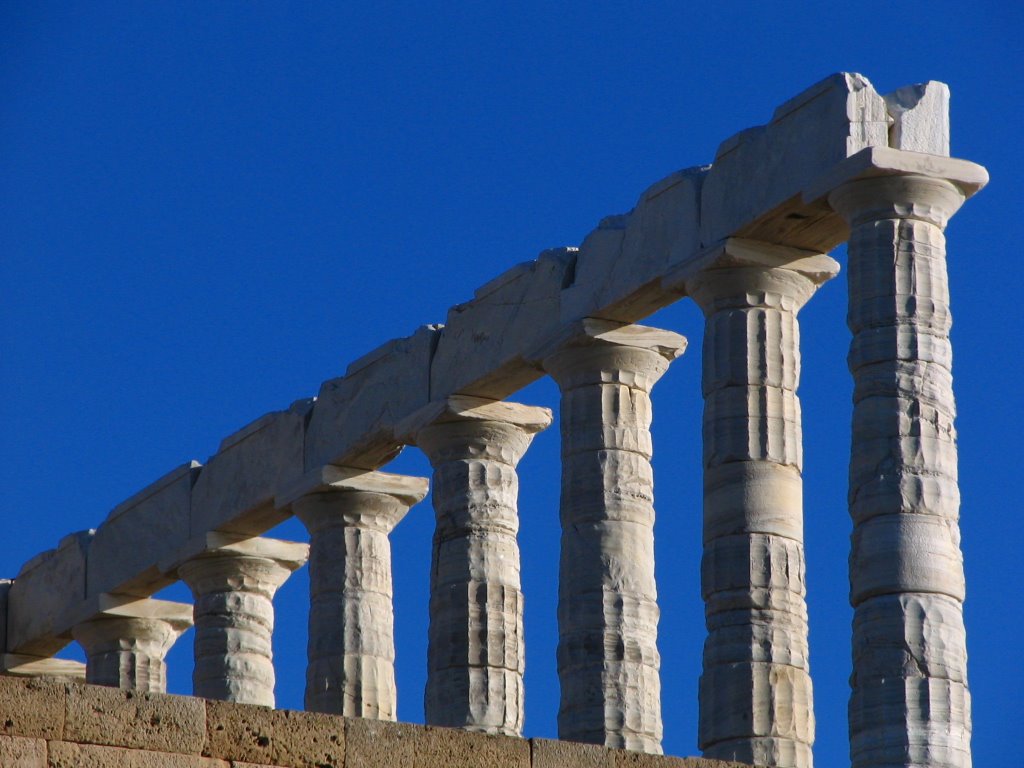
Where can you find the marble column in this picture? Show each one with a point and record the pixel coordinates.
(125, 647)
(910, 704)
(475, 656)
(233, 586)
(755, 690)
(351, 651)
(608, 661)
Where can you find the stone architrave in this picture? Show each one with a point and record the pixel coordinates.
(233, 580)
(755, 691)
(476, 655)
(351, 654)
(125, 645)
(910, 703)
(608, 661)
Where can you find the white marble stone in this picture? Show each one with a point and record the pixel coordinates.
(756, 701)
(233, 585)
(349, 514)
(608, 660)
(920, 118)
(125, 646)
(476, 654)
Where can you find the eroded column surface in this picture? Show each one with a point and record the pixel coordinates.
(233, 586)
(608, 661)
(755, 690)
(476, 656)
(125, 646)
(351, 651)
(910, 704)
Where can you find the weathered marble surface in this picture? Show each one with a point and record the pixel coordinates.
(608, 658)
(125, 645)
(233, 581)
(910, 703)
(755, 692)
(476, 656)
(351, 652)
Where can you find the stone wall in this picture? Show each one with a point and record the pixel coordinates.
(54, 724)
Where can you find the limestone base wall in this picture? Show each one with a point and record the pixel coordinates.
(55, 724)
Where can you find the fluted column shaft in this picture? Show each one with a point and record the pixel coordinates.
(351, 649)
(128, 651)
(476, 655)
(755, 690)
(910, 704)
(234, 621)
(608, 661)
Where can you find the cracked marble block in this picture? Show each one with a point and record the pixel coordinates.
(910, 704)
(351, 652)
(756, 702)
(475, 656)
(233, 580)
(126, 644)
(608, 661)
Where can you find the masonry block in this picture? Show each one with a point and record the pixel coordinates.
(47, 592)
(67, 755)
(33, 708)
(138, 532)
(380, 744)
(481, 347)
(620, 265)
(274, 737)
(17, 752)
(550, 753)
(153, 721)
(235, 490)
(354, 416)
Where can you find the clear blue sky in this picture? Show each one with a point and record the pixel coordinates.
(208, 208)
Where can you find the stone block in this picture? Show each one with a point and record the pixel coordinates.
(481, 347)
(920, 118)
(45, 596)
(64, 754)
(5, 588)
(152, 721)
(628, 759)
(17, 752)
(235, 490)
(138, 532)
(620, 265)
(753, 187)
(32, 708)
(379, 744)
(549, 753)
(353, 418)
(241, 732)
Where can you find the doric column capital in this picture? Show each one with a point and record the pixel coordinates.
(740, 273)
(595, 351)
(343, 496)
(219, 561)
(464, 427)
(881, 182)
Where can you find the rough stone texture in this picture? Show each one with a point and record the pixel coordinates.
(351, 651)
(153, 721)
(909, 704)
(274, 737)
(608, 657)
(353, 418)
(476, 656)
(125, 648)
(235, 490)
(920, 118)
(376, 744)
(139, 532)
(33, 707)
(68, 755)
(755, 691)
(233, 586)
(48, 589)
(16, 752)
(481, 347)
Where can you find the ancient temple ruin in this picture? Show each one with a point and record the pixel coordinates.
(747, 238)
